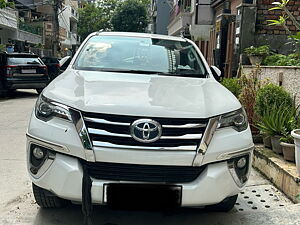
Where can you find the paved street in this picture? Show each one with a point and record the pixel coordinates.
(260, 203)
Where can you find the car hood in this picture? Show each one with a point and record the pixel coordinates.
(141, 95)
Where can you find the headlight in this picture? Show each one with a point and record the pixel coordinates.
(46, 109)
(237, 120)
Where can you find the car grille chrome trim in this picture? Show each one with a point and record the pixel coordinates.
(113, 131)
(196, 125)
(103, 132)
(105, 121)
(110, 145)
(186, 136)
(83, 134)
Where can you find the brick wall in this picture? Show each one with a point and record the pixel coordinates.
(234, 4)
(263, 14)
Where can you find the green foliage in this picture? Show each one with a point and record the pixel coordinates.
(96, 16)
(282, 60)
(276, 120)
(130, 16)
(250, 83)
(257, 51)
(282, 21)
(2, 47)
(271, 95)
(4, 4)
(233, 85)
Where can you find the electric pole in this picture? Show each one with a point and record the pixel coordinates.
(56, 6)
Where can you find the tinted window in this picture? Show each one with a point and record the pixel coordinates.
(22, 61)
(140, 54)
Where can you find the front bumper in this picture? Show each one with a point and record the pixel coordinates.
(64, 179)
(63, 175)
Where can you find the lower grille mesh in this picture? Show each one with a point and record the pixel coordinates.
(143, 173)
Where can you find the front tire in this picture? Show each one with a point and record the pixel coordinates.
(46, 199)
(225, 206)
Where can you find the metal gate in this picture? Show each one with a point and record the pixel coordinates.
(229, 63)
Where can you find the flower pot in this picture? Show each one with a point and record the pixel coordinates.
(275, 141)
(296, 136)
(288, 151)
(255, 59)
(267, 141)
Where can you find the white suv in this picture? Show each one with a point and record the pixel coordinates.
(138, 120)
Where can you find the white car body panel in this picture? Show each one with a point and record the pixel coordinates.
(142, 95)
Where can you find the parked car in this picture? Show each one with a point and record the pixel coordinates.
(53, 66)
(138, 119)
(64, 63)
(22, 70)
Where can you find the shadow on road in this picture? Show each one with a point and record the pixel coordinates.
(19, 94)
(72, 215)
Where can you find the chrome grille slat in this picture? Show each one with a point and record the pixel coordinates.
(113, 131)
(186, 136)
(103, 132)
(95, 120)
(195, 125)
(110, 145)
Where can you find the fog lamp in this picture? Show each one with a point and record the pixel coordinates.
(38, 153)
(241, 163)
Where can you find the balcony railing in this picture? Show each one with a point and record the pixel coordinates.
(31, 28)
(185, 7)
(8, 18)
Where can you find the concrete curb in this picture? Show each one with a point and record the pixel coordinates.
(281, 173)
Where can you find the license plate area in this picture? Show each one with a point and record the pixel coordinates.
(28, 71)
(142, 196)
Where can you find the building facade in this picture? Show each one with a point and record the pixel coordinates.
(20, 25)
(224, 28)
(160, 14)
(31, 23)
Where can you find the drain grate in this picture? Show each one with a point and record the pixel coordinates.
(261, 197)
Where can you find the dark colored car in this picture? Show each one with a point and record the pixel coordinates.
(22, 70)
(53, 66)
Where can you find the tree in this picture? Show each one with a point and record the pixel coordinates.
(5, 3)
(130, 16)
(96, 16)
(282, 20)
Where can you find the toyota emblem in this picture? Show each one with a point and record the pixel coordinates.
(145, 130)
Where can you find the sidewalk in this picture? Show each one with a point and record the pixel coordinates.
(281, 173)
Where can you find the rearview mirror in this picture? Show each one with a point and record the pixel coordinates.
(216, 72)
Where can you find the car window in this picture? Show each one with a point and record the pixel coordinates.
(140, 54)
(23, 60)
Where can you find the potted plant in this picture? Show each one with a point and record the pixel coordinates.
(277, 121)
(288, 148)
(257, 54)
(296, 135)
(270, 95)
(287, 141)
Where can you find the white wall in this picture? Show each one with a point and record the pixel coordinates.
(290, 77)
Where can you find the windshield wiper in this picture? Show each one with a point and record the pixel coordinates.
(132, 71)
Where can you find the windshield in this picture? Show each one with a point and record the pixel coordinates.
(22, 61)
(143, 55)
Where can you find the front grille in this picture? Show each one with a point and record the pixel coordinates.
(143, 173)
(114, 131)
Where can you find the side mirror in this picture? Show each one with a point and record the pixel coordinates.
(216, 72)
